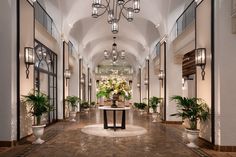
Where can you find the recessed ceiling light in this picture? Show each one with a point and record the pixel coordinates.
(70, 25)
(157, 25)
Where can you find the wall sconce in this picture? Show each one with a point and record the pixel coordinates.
(82, 80)
(67, 74)
(161, 77)
(146, 82)
(200, 60)
(183, 83)
(29, 58)
(138, 85)
(90, 84)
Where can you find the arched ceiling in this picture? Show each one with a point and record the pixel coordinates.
(93, 36)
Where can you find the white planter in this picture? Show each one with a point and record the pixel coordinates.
(86, 110)
(141, 112)
(38, 131)
(72, 116)
(154, 117)
(192, 135)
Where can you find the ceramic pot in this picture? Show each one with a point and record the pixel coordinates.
(141, 112)
(154, 117)
(72, 116)
(192, 135)
(38, 131)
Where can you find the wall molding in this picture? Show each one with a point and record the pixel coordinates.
(8, 143)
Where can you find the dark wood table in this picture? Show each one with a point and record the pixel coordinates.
(108, 108)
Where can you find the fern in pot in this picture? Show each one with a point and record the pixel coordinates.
(85, 106)
(194, 110)
(154, 101)
(38, 104)
(73, 102)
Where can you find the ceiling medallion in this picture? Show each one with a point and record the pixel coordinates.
(115, 9)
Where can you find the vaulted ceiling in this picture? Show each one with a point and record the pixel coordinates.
(92, 36)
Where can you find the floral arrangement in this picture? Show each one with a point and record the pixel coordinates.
(114, 85)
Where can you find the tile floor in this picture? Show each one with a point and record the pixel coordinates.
(65, 139)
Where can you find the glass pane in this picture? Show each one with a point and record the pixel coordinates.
(43, 83)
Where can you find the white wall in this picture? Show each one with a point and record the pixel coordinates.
(154, 81)
(26, 85)
(225, 74)
(203, 40)
(8, 70)
(173, 82)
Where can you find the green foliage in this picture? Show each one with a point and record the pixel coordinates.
(136, 105)
(92, 103)
(73, 101)
(192, 109)
(84, 105)
(38, 103)
(154, 101)
(103, 93)
(140, 106)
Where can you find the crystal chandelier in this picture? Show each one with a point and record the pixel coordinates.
(115, 9)
(114, 54)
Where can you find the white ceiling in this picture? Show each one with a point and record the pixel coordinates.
(93, 36)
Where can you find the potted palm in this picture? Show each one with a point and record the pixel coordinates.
(141, 107)
(93, 104)
(154, 101)
(192, 109)
(73, 102)
(38, 104)
(85, 106)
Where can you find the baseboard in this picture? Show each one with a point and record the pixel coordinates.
(7, 143)
(209, 145)
(225, 148)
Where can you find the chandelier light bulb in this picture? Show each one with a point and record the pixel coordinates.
(122, 55)
(136, 6)
(97, 3)
(130, 15)
(110, 17)
(95, 12)
(115, 27)
(121, 2)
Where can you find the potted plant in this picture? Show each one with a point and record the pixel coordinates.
(85, 106)
(154, 101)
(192, 109)
(113, 88)
(136, 105)
(141, 107)
(38, 104)
(92, 104)
(73, 102)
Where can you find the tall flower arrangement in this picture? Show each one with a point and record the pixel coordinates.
(114, 85)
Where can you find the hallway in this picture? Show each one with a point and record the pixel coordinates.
(65, 139)
(169, 59)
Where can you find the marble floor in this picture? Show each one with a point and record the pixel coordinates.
(65, 139)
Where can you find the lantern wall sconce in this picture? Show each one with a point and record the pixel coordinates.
(200, 60)
(82, 80)
(161, 76)
(29, 57)
(138, 85)
(67, 74)
(146, 82)
(90, 84)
